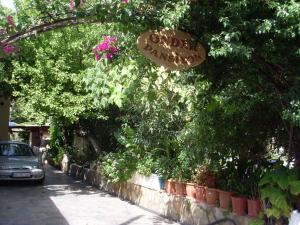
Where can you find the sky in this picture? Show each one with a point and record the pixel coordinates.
(8, 3)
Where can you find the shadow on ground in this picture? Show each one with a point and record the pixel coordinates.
(23, 203)
(62, 200)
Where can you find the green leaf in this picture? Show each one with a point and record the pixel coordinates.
(273, 212)
(267, 179)
(277, 197)
(293, 175)
(282, 179)
(295, 187)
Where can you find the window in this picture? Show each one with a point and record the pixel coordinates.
(9, 149)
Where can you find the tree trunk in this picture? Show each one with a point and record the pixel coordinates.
(4, 118)
(94, 143)
(91, 138)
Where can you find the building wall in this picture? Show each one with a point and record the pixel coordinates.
(35, 137)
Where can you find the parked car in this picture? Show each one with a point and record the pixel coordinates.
(18, 162)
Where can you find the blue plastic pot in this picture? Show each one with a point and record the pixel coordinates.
(161, 183)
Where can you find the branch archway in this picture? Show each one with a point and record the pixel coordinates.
(71, 21)
(101, 12)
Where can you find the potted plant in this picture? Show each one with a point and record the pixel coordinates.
(200, 193)
(180, 188)
(239, 205)
(190, 185)
(170, 186)
(224, 185)
(238, 198)
(205, 180)
(162, 183)
(190, 189)
(161, 167)
(180, 185)
(211, 193)
(253, 201)
(225, 199)
(254, 207)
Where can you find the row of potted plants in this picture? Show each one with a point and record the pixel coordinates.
(203, 189)
(214, 197)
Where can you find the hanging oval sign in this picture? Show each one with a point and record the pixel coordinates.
(172, 49)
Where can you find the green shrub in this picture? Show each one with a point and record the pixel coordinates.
(119, 166)
(145, 165)
(279, 187)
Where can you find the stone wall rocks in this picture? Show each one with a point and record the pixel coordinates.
(185, 210)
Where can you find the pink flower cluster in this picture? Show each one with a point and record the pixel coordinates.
(125, 1)
(107, 48)
(10, 21)
(9, 49)
(72, 4)
(10, 24)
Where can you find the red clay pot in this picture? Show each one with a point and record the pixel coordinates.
(239, 205)
(254, 207)
(170, 187)
(200, 193)
(180, 188)
(190, 190)
(211, 195)
(225, 199)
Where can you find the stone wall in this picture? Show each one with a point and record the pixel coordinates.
(151, 182)
(185, 210)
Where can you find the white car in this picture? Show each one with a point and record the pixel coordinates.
(18, 162)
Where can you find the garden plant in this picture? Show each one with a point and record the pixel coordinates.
(75, 64)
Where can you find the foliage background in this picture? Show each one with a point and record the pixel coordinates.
(236, 111)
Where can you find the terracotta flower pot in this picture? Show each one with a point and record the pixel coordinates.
(200, 193)
(239, 205)
(254, 207)
(170, 186)
(180, 188)
(225, 199)
(211, 195)
(191, 190)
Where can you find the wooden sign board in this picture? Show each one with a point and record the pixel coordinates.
(173, 49)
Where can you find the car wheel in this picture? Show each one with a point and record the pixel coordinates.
(40, 181)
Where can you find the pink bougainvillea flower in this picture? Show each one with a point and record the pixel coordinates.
(97, 56)
(109, 56)
(113, 39)
(10, 21)
(106, 48)
(125, 1)
(72, 5)
(110, 39)
(8, 49)
(102, 47)
(113, 50)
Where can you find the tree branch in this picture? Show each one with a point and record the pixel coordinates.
(275, 73)
(70, 21)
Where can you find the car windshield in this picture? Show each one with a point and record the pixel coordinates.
(12, 149)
